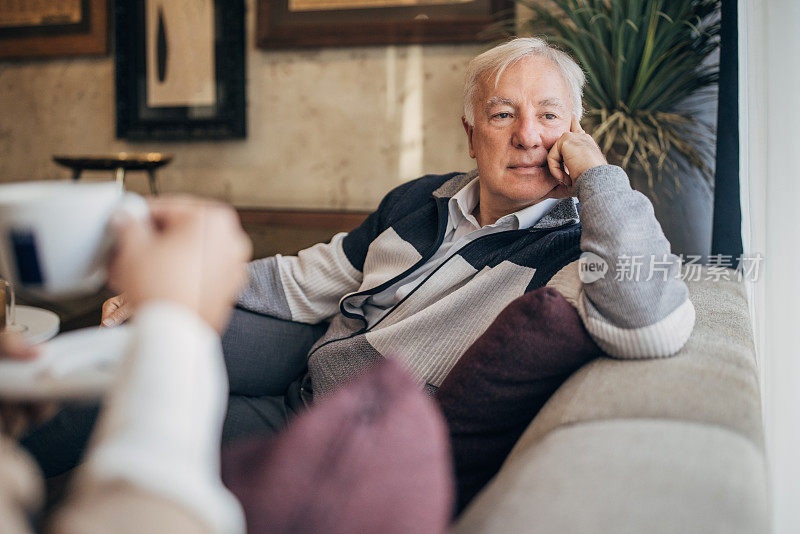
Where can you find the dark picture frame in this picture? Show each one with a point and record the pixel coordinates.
(279, 27)
(224, 119)
(50, 38)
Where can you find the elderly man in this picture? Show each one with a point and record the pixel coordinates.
(432, 267)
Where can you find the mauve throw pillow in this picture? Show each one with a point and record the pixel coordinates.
(503, 380)
(372, 457)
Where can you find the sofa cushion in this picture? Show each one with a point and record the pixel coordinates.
(372, 457)
(505, 377)
(666, 445)
(627, 476)
(713, 379)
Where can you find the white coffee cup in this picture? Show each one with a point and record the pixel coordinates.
(55, 236)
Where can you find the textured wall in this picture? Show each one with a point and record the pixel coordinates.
(327, 128)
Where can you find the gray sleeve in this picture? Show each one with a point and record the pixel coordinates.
(264, 292)
(641, 306)
(305, 288)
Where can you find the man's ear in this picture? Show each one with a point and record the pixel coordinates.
(469, 129)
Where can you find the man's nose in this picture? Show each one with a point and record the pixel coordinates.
(527, 133)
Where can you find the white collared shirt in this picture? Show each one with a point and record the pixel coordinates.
(462, 228)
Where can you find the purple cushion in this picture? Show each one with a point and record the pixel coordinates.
(503, 380)
(372, 457)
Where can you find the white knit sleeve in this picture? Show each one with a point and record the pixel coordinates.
(161, 425)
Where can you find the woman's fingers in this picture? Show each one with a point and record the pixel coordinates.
(13, 346)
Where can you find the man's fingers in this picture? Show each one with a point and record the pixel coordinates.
(554, 161)
(108, 308)
(121, 314)
(575, 125)
(115, 311)
(117, 316)
(111, 304)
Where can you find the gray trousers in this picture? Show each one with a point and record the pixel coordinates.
(265, 358)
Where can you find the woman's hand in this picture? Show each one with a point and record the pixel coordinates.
(191, 252)
(16, 418)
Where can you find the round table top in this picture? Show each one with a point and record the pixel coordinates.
(37, 325)
(125, 160)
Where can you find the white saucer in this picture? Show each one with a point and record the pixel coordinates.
(76, 365)
(40, 325)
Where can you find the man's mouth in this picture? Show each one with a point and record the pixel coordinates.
(528, 165)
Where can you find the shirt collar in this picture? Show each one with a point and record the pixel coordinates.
(529, 216)
(463, 203)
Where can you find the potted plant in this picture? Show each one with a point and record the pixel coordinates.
(645, 61)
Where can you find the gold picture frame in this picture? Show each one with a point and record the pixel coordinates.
(311, 23)
(53, 28)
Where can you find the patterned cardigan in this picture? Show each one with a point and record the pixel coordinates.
(628, 316)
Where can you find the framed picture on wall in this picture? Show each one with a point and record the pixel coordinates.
(180, 69)
(301, 23)
(53, 28)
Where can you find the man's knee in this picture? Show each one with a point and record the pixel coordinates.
(254, 416)
(248, 332)
(264, 354)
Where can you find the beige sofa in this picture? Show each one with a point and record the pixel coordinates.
(651, 446)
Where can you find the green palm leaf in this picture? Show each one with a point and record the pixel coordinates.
(643, 59)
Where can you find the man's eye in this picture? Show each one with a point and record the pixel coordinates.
(502, 115)
(550, 116)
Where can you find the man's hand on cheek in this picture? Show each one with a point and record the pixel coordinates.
(572, 154)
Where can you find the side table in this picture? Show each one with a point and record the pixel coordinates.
(119, 163)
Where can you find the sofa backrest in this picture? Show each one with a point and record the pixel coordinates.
(663, 445)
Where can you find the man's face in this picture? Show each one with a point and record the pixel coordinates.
(516, 123)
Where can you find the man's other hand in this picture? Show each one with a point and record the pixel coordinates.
(190, 252)
(572, 154)
(115, 311)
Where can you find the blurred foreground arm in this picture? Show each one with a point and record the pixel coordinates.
(153, 465)
(21, 488)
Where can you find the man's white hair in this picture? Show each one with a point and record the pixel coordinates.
(499, 58)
